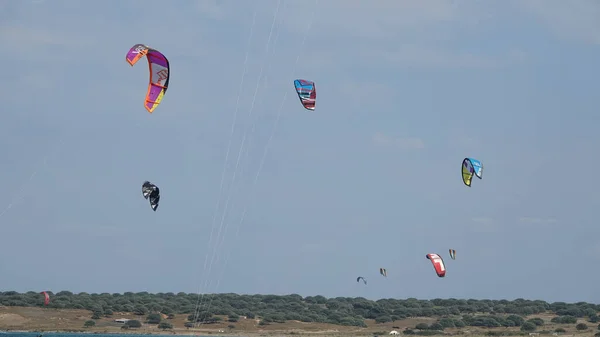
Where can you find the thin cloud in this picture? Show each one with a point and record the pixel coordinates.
(404, 143)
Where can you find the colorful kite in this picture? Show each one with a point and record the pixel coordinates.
(159, 73)
(307, 92)
(471, 167)
(452, 254)
(438, 264)
(46, 297)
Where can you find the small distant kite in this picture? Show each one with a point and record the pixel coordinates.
(361, 278)
(46, 297)
(151, 192)
(159, 73)
(383, 272)
(307, 92)
(438, 264)
(452, 253)
(471, 167)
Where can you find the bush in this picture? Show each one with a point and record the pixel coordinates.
(564, 320)
(436, 327)
(528, 327)
(422, 326)
(536, 321)
(89, 323)
(153, 318)
(165, 326)
(560, 330)
(133, 323)
(581, 326)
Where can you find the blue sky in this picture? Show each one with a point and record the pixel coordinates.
(406, 90)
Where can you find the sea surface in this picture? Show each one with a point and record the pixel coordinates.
(67, 334)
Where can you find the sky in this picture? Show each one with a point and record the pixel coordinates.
(305, 201)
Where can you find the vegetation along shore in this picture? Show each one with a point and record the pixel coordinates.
(253, 315)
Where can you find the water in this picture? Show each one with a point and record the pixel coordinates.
(65, 334)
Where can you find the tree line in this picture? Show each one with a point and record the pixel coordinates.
(211, 308)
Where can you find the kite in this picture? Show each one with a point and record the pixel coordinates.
(438, 264)
(307, 92)
(359, 278)
(46, 297)
(452, 254)
(159, 73)
(383, 272)
(151, 192)
(471, 167)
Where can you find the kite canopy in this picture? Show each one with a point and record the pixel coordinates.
(471, 167)
(159, 73)
(438, 264)
(151, 192)
(46, 297)
(383, 272)
(452, 254)
(361, 278)
(307, 92)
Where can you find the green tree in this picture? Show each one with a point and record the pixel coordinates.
(536, 321)
(233, 318)
(528, 327)
(89, 323)
(165, 325)
(96, 315)
(422, 326)
(581, 326)
(153, 318)
(383, 319)
(459, 323)
(133, 323)
(436, 326)
(518, 320)
(564, 319)
(140, 310)
(446, 322)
